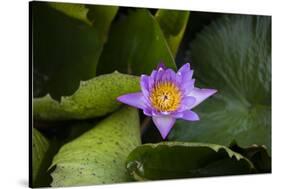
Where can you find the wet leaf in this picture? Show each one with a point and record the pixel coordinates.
(171, 160)
(95, 97)
(232, 55)
(66, 45)
(258, 155)
(40, 147)
(173, 24)
(136, 45)
(98, 156)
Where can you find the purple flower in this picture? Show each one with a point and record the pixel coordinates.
(167, 96)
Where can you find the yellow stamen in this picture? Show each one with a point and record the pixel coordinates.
(165, 96)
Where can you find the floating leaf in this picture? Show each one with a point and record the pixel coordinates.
(135, 45)
(66, 45)
(98, 156)
(40, 147)
(173, 24)
(95, 97)
(170, 160)
(232, 55)
(258, 155)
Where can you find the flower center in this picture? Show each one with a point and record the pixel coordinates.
(165, 96)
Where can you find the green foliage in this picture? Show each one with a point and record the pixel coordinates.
(136, 45)
(101, 18)
(170, 160)
(77, 11)
(98, 156)
(95, 97)
(232, 55)
(258, 155)
(66, 46)
(72, 43)
(173, 24)
(40, 147)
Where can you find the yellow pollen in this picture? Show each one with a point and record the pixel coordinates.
(165, 96)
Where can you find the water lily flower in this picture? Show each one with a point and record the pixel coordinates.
(167, 96)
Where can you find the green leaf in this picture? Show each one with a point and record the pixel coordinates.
(98, 156)
(232, 55)
(173, 24)
(170, 160)
(101, 18)
(40, 147)
(258, 155)
(95, 97)
(136, 45)
(78, 11)
(66, 45)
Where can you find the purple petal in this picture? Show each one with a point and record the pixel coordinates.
(186, 115)
(190, 116)
(161, 66)
(152, 79)
(201, 95)
(155, 112)
(186, 103)
(182, 79)
(184, 69)
(177, 115)
(184, 74)
(187, 86)
(159, 75)
(153, 74)
(133, 99)
(147, 111)
(188, 76)
(164, 124)
(145, 85)
(169, 75)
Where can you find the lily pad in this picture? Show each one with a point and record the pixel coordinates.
(258, 155)
(232, 55)
(95, 97)
(40, 147)
(171, 160)
(99, 155)
(136, 45)
(66, 45)
(173, 24)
